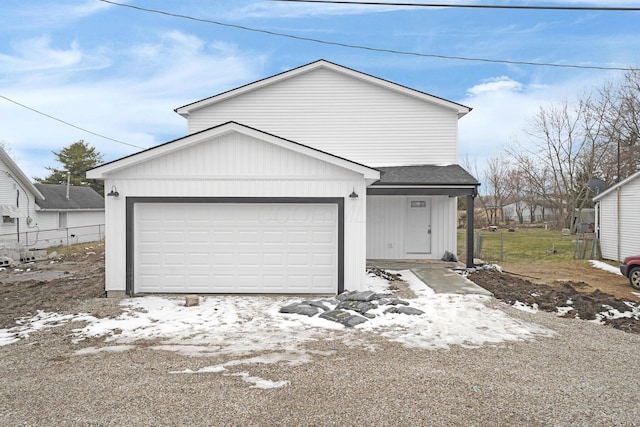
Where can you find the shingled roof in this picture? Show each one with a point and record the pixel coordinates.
(425, 175)
(55, 197)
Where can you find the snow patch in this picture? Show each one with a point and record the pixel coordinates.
(604, 266)
(249, 325)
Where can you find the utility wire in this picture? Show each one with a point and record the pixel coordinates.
(69, 124)
(470, 6)
(368, 48)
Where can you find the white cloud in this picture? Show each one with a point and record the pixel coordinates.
(132, 101)
(300, 10)
(495, 84)
(54, 14)
(37, 55)
(503, 107)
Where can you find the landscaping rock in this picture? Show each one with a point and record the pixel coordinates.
(357, 296)
(392, 301)
(191, 300)
(384, 274)
(449, 257)
(359, 306)
(404, 310)
(300, 308)
(343, 317)
(318, 304)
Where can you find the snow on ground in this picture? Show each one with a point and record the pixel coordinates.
(250, 329)
(604, 266)
(243, 325)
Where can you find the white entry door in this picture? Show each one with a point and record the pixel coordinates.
(418, 229)
(235, 248)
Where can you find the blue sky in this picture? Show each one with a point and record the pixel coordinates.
(120, 72)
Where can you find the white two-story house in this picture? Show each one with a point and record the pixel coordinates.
(287, 185)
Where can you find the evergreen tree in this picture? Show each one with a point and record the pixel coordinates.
(76, 159)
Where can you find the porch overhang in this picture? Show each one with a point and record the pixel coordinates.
(417, 190)
(430, 180)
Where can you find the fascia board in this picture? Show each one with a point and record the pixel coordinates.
(19, 175)
(613, 188)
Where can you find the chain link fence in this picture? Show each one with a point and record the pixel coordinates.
(499, 246)
(33, 239)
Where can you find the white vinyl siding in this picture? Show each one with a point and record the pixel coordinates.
(236, 165)
(12, 194)
(620, 231)
(386, 228)
(344, 116)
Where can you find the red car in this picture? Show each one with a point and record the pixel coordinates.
(630, 268)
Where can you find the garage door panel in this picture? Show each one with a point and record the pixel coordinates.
(323, 260)
(231, 248)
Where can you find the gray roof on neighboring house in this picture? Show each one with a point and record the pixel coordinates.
(55, 197)
(425, 175)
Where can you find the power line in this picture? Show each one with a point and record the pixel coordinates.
(367, 48)
(471, 6)
(69, 124)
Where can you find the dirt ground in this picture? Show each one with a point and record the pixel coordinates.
(60, 283)
(580, 298)
(57, 284)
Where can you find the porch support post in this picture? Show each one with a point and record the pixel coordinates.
(470, 226)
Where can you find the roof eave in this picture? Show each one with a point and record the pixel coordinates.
(19, 175)
(185, 110)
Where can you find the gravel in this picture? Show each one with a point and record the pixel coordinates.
(585, 375)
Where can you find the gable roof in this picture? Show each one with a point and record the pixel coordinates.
(425, 175)
(103, 170)
(80, 198)
(618, 185)
(186, 109)
(16, 174)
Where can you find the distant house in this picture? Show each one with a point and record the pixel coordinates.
(69, 214)
(18, 198)
(529, 214)
(42, 215)
(617, 219)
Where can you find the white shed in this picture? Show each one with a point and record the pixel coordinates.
(618, 220)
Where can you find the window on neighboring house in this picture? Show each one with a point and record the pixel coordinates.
(62, 220)
(8, 220)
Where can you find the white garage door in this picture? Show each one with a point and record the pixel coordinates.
(235, 248)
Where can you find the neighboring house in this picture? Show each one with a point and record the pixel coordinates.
(41, 215)
(288, 185)
(69, 214)
(536, 214)
(18, 197)
(617, 219)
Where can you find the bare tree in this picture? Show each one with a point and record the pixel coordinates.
(516, 183)
(497, 189)
(564, 151)
(621, 107)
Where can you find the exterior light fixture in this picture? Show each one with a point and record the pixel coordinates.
(353, 194)
(113, 192)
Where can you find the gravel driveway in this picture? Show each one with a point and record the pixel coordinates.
(585, 375)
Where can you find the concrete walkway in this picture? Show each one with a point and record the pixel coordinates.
(438, 275)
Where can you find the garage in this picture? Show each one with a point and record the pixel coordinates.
(233, 210)
(248, 247)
